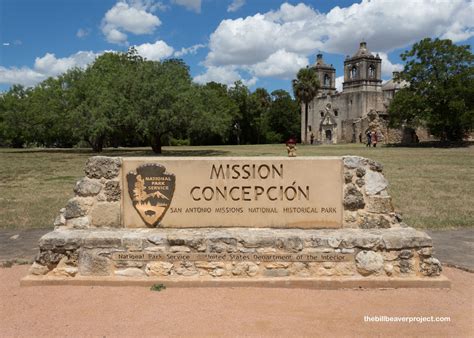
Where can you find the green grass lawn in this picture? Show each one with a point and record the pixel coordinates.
(431, 187)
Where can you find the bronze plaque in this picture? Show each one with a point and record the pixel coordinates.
(151, 189)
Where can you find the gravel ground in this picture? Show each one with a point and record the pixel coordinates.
(79, 311)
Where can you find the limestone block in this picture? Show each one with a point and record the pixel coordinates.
(158, 268)
(112, 191)
(347, 177)
(277, 265)
(79, 222)
(374, 165)
(130, 272)
(388, 268)
(245, 268)
(64, 269)
(344, 269)
(106, 214)
(431, 267)
(406, 238)
(374, 222)
(102, 167)
(217, 272)
(375, 182)
(369, 262)
(87, 187)
(178, 248)
(360, 172)
(38, 269)
(353, 162)
(353, 198)
(92, 264)
(276, 273)
(77, 207)
(379, 204)
(360, 182)
(406, 265)
(290, 244)
(60, 220)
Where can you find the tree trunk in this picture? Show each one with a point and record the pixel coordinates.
(155, 143)
(97, 144)
(305, 123)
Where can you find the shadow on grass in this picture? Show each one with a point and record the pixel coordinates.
(132, 152)
(432, 144)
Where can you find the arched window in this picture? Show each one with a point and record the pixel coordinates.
(353, 72)
(327, 80)
(371, 71)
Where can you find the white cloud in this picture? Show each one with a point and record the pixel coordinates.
(190, 50)
(235, 5)
(50, 65)
(6, 44)
(82, 33)
(250, 43)
(388, 67)
(192, 5)
(339, 81)
(44, 67)
(125, 17)
(280, 64)
(223, 74)
(155, 51)
(24, 76)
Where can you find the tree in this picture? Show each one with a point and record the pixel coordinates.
(283, 118)
(16, 121)
(305, 88)
(212, 114)
(102, 93)
(161, 99)
(440, 94)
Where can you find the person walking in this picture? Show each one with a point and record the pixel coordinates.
(369, 139)
(374, 139)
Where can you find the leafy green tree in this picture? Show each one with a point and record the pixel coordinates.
(284, 118)
(104, 103)
(213, 112)
(440, 94)
(240, 94)
(51, 103)
(17, 124)
(305, 88)
(161, 100)
(257, 115)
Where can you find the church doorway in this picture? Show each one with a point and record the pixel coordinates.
(328, 136)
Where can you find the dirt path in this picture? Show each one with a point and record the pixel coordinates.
(134, 311)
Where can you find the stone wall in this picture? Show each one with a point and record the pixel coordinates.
(96, 203)
(375, 253)
(372, 244)
(97, 197)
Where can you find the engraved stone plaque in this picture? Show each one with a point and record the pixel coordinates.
(196, 192)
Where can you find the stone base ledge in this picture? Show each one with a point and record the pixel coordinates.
(440, 282)
(353, 257)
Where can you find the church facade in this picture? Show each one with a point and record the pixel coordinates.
(344, 117)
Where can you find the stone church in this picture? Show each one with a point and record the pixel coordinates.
(344, 117)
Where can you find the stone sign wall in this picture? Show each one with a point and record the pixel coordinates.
(213, 220)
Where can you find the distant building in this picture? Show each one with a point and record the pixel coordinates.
(342, 117)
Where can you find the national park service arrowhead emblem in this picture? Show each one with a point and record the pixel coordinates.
(151, 189)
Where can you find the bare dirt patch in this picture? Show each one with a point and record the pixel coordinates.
(138, 311)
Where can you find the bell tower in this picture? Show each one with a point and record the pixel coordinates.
(326, 75)
(362, 71)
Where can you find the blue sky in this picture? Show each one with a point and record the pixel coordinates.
(261, 42)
